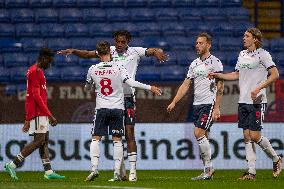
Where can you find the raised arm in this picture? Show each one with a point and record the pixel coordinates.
(180, 93)
(79, 53)
(158, 53)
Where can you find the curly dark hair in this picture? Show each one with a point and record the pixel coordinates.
(45, 53)
(122, 33)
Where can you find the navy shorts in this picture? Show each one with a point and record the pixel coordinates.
(202, 116)
(251, 116)
(130, 111)
(108, 122)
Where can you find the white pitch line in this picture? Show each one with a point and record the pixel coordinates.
(116, 187)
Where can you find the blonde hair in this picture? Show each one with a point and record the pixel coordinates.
(256, 33)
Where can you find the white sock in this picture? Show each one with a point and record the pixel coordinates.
(48, 172)
(267, 148)
(13, 165)
(132, 157)
(95, 154)
(117, 155)
(205, 151)
(250, 156)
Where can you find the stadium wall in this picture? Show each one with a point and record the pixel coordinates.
(160, 146)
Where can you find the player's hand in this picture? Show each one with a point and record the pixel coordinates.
(171, 107)
(66, 52)
(156, 90)
(254, 94)
(212, 75)
(52, 121)
(26, 126)
(216, 114)
(161, 56)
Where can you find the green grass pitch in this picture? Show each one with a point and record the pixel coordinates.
(176, 179)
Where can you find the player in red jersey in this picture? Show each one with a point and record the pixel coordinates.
(38, 117)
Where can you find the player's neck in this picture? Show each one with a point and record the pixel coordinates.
(105, 58)
(205, 56)
(251, 48)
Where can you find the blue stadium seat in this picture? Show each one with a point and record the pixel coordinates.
(1, 61)
(223, 30)
(76, 30)
(240, 27)
(21, 87)
(70, 15)
(53, 74)
(136, 42)
(74, 73)
(83, 43)
(152, 42)
(59, 43)
(4, 15)
(207, 3)
(2, 3)
(230, 3)
(88, 3)
(172, 28)
(33, 44)
(148, 29)
(65, 3)
(46, 15)
(132, 28)
(100, 30)
(277, 45)
(166, 14)
(22, 15)
(10, 45)
(173, 73)
(213, 14)
(18, 74)
(181, 43)
(230, 44)
(221, 56)
(146, 61)
(32, 58)
(191, 27)
(232, 58)
(10, 89)
(4, 74)
(7, 30)
(52, 30)
(117, 15)
(183, 3)
(237, 14)
(15, 59)
(112, 3)
(94, 15)
(142, 14)
(190, 14)
(266, 44)
(88, 62)
(185, 58)
(60, 60)
(28, 30)
(148, 73)
(159, 3)
(135, 3)
(41, 3)
(17, 3)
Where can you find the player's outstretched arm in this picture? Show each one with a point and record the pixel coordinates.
(158, 53)
(132, 83)
(79, 53)
(180, 93)
(227, 76)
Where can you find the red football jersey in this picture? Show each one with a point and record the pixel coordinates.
(36, 99)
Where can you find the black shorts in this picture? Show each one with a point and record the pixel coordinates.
(108, 122)
(130, 111)
(251, 116)
(202, 116)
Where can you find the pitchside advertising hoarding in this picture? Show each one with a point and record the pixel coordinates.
(160, 146)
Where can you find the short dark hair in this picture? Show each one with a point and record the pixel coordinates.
(45, 53)
(122, 33)
(256, 33)
(103, 48)
(207, 36)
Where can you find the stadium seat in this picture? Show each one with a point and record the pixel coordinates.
(94, 15)
(65, 61)
(28, 30)
(277, 45)
(222, 30)
(88, 3)
(183, 3)
(185, 58)
(146, 61)
(70, 15)
(32, 44)
(10, 45)
(159, 3)
(41, 3)
(131, 27)
(190, 14)
(88, 62)
(59, 43)
(1, 61)
(266, 44)
(142, 15)
(207, 3)
(52, 30)
(21, 87)
(148, 73)
(22, 15)
(76, 30)
(18, 74)
(32, 58)
(221, 56)
(166, 14)
(46, 15)
(135, 3)
(237, 14)
(232, 58)
(15, 59)
(100, 30)
(230, 44)
(83, 43)
(136, 42)
(2, 3)
(152, 42)
(65, 3)
(74, 73)
(173, 73)
(148, 29)
(112, 3)
(181, 43)
(213, 14)
(10, 89)
(172, 29)
(4, 15)
(240, 27)
(17, 3)
(4, 74)
(53, 74)
(117, 15)
(7, 30)
(230, 3)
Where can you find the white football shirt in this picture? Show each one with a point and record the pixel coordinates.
(204, 88)
(253, 69)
